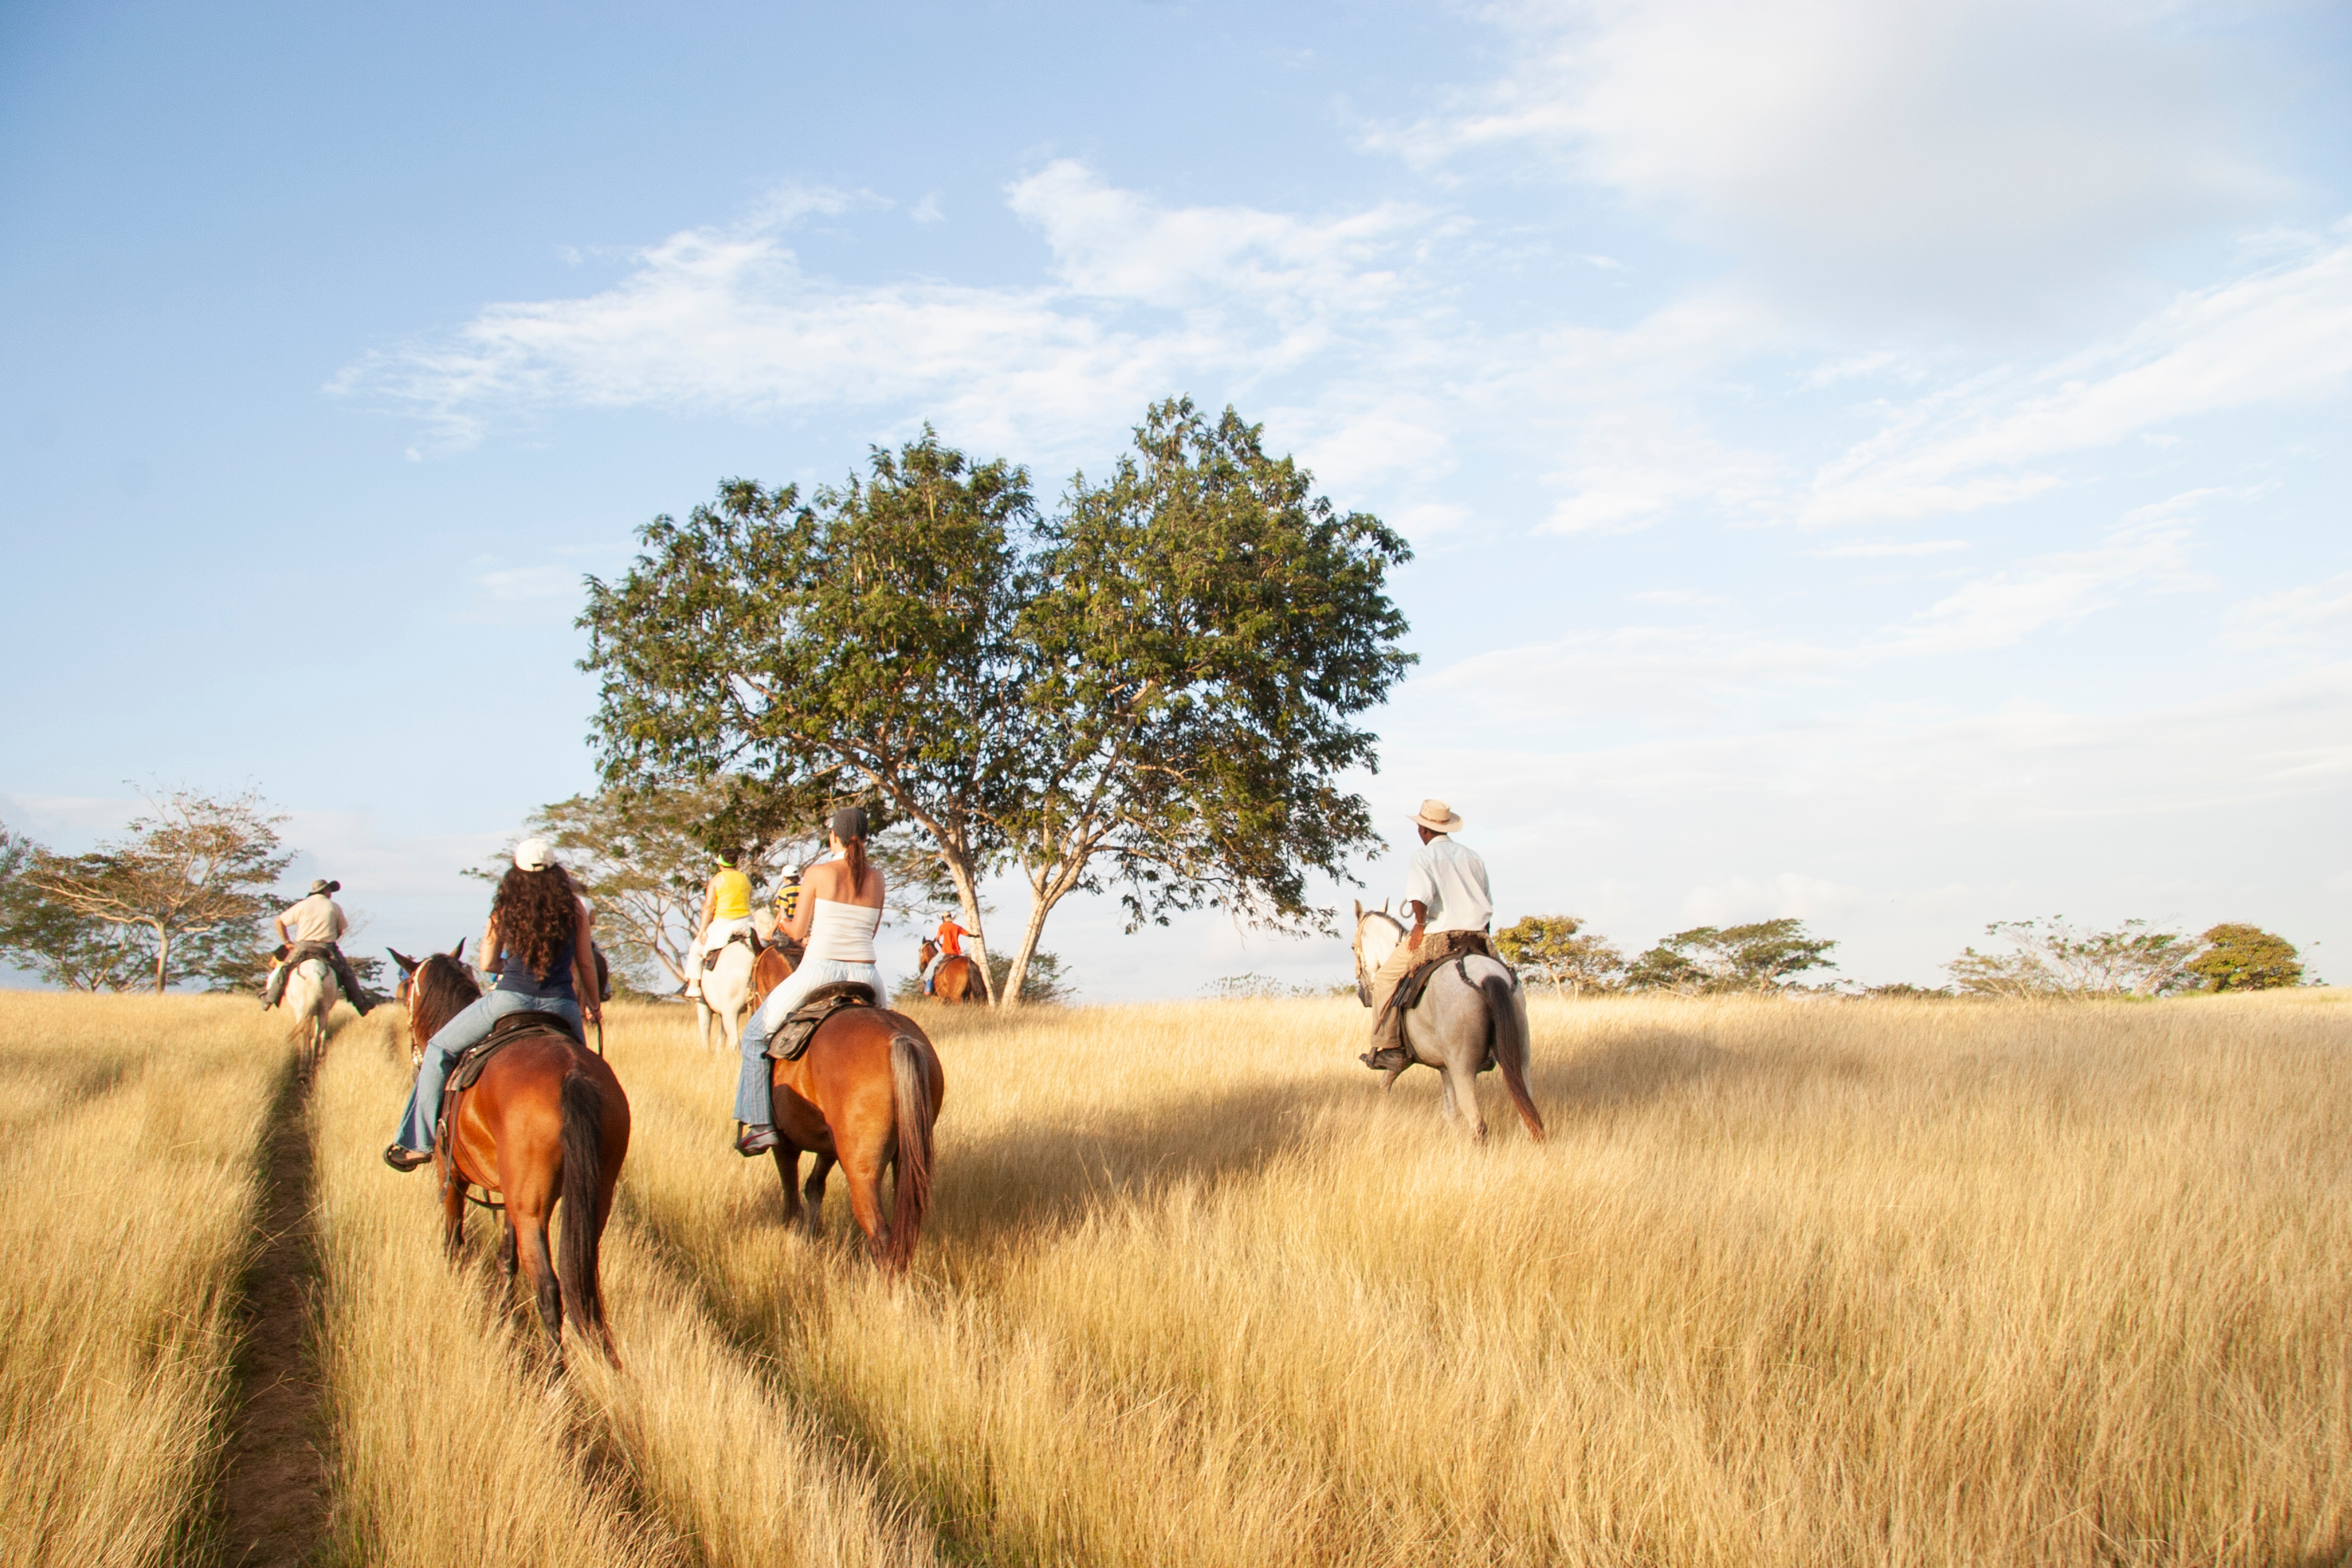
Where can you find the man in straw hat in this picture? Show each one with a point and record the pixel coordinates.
(313, 927)
(1445, 892)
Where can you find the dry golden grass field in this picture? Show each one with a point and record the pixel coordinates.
(1792, 1283)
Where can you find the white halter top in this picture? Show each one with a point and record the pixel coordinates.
(842, 933)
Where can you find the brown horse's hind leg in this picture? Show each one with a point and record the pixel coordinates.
(507, 1252)
(824, 1164)
(539, 1271)
(865, 1176)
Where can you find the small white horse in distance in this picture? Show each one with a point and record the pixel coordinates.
(1472, 1007)
(725, 989)
(311, 994)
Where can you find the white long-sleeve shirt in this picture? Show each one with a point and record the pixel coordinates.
(1450, 881)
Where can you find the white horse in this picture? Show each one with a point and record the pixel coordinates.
(311, 994)
(725, 987)
(1472, 1008)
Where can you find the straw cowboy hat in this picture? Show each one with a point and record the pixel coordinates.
(1439, 818)
(324, 886)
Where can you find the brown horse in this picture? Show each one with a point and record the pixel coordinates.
(545, 1126)
(771, 969)
(958, 980)
(865, 1095)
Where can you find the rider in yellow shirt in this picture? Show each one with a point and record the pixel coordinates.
(725, 909)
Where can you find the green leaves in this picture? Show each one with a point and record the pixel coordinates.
(1154, 689)
(1764, 955)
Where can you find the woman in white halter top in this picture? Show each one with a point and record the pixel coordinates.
(840, 908)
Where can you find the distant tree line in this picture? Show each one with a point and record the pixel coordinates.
(178, 898)
(2046, 958)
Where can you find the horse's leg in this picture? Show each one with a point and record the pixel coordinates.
(539, 1271)
(863, 1168)
(824, 1164)
(1462, 1093)
(507, 1250)
(453, 1210)
(788, 1166)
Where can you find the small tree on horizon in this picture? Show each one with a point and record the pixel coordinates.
(186, 887)
(2239, 957)
(1557, 949)
(2051, 958)
(1764, 955)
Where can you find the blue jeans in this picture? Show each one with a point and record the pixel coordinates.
(471, 1027)
(754, 1099)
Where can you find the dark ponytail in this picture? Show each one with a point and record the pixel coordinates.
(849, 824)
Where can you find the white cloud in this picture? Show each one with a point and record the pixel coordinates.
(530, 583)
(727, 320)
(2281, 337)
(1957, 157)
(2057, 590)
(2303, 614)
(1889, 547)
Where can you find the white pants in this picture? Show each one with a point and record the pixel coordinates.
(711, 941)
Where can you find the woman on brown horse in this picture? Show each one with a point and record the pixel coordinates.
(866, 1092)
(546, 1122)
(537, 940)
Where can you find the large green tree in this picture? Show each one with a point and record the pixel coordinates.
(1559, 949)
(855, 646)
(1204, 630)
(2239, 957)
(1153, 691)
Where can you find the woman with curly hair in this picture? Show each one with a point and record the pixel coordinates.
(537, 939)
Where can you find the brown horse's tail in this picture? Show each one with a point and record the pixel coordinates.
(584, 1186)
(910, 1078)
(1510, 1050)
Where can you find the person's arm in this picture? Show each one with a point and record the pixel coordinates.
(285, 937)
(584, 970)
(485, 956)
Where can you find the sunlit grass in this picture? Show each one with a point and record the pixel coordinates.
(1791, 1283)
(129, 1131)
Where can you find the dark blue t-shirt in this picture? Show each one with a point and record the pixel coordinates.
(515, 976)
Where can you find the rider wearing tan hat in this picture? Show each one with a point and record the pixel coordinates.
(1445, 891)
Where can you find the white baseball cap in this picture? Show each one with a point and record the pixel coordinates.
(532, 855)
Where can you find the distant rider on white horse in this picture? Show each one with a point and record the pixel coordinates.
(1445, 892)
(310, 928)
(725, 909)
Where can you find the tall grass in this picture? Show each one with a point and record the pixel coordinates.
(129, 1131)
(1877, 1282)
(454, 1445)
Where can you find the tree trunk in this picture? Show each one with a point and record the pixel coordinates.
(968, 897)
(163, 956)
(1041, 904)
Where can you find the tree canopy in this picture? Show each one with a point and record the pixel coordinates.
(1765, 955)
(2239, 957)
(1557, 948)
(178, 896)
(2052, 957)
(1152, 691)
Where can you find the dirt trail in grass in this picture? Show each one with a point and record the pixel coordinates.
(273, 1497)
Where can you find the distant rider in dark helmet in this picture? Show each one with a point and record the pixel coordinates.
(312, 928)
(538, 937)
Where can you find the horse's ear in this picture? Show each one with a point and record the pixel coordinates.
(1384, 906)
(1359, 912)
(407, 964)
(458, 952)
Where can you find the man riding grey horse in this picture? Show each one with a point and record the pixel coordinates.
(1448, 896)
(313, 927)
(1439, 996)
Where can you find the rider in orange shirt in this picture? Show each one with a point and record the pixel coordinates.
(950, 940)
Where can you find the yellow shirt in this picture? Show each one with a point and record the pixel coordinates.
(732, 892)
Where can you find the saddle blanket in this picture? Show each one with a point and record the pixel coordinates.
(746, 935)
(791, 1042)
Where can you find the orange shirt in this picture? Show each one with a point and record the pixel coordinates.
(952, 937)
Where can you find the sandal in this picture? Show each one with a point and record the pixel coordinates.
(404, 1159)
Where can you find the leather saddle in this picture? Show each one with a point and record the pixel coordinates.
(506, 1032)
(789, 1042)
(746, 935)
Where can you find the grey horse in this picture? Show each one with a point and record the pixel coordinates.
(1469, 1008)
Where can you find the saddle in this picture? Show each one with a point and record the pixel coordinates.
(789, 1042)
(505, 1032)
(1438, 949)
(710, 959)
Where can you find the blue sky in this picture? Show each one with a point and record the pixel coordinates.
(1883, 465)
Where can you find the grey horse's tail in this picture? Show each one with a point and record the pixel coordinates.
(1510, 1050)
